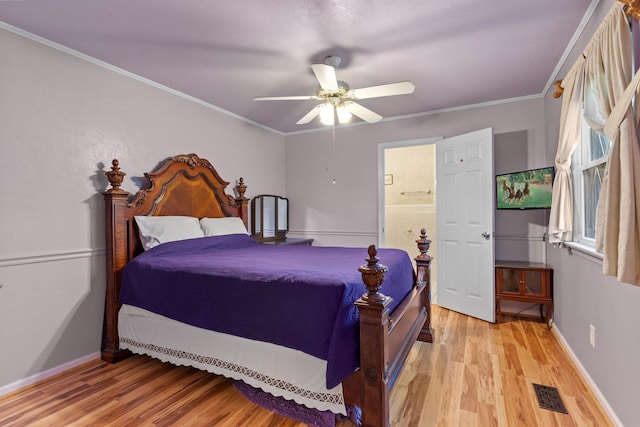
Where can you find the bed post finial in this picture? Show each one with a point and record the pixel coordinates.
(242, 203)
(423, 245)
(241, 187)
(373, 276)
(115, 176)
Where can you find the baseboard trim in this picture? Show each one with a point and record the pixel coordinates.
(10, 388)
(587, 378)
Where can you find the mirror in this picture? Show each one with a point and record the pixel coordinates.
(269, 218)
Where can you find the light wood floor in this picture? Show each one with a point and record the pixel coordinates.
(476, 374)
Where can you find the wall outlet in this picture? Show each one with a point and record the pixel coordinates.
(592, 336)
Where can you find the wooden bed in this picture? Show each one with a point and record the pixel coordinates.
(190, 186)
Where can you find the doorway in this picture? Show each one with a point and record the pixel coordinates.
(408, 198)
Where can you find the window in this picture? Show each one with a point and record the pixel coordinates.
(588, 165)
(589, 160)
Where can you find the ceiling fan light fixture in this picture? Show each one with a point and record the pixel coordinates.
(327, 115)
(344, 115)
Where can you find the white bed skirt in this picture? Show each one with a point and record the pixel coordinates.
(283, 372)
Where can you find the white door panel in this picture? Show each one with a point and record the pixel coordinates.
(465, 210)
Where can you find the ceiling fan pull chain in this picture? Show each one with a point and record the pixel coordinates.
(333, 168)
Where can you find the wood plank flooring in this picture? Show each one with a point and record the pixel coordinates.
(476, 374)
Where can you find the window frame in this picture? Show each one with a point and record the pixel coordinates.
(581, 161)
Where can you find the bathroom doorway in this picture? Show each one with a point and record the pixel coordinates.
(409, 198)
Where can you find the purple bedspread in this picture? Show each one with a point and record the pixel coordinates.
(300, 297)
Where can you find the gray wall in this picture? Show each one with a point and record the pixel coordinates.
(347, 212)
(520, 234)
(63, 119)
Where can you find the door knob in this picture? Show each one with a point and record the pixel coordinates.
(486, 235)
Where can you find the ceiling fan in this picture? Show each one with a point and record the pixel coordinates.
(338, 99)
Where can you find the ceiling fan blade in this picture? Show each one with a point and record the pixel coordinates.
(310, 115)
(362, 112)
(400, 88)
(285, 98)
(326, 76)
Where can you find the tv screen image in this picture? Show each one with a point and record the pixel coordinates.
(529, 189)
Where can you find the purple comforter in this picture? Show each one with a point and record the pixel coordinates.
(300, 297)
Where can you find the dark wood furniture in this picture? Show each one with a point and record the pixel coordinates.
(269, 218)
(300, 241)
(525, 282)
(189, 185)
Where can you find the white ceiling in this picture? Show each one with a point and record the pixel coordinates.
(456, 52)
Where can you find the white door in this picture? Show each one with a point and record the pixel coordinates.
(465, 210)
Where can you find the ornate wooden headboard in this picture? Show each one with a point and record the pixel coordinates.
(184, 185)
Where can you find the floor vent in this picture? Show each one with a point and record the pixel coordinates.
(549, 398)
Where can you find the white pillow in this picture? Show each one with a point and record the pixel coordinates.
(155, 230)
(223, 226)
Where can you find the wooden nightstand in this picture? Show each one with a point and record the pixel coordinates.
(525, 282)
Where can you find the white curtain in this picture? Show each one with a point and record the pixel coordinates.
(607, 100)
(607, 75)
(607, 68)
(561, 214)
(618, 215)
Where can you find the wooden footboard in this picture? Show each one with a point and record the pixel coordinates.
(386, 338)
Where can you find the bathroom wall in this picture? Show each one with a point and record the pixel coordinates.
(410, 200)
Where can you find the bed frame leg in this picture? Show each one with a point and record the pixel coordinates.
(373, 308)
(423, 278)
(374, 322)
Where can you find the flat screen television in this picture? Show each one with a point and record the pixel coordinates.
(528, 189)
